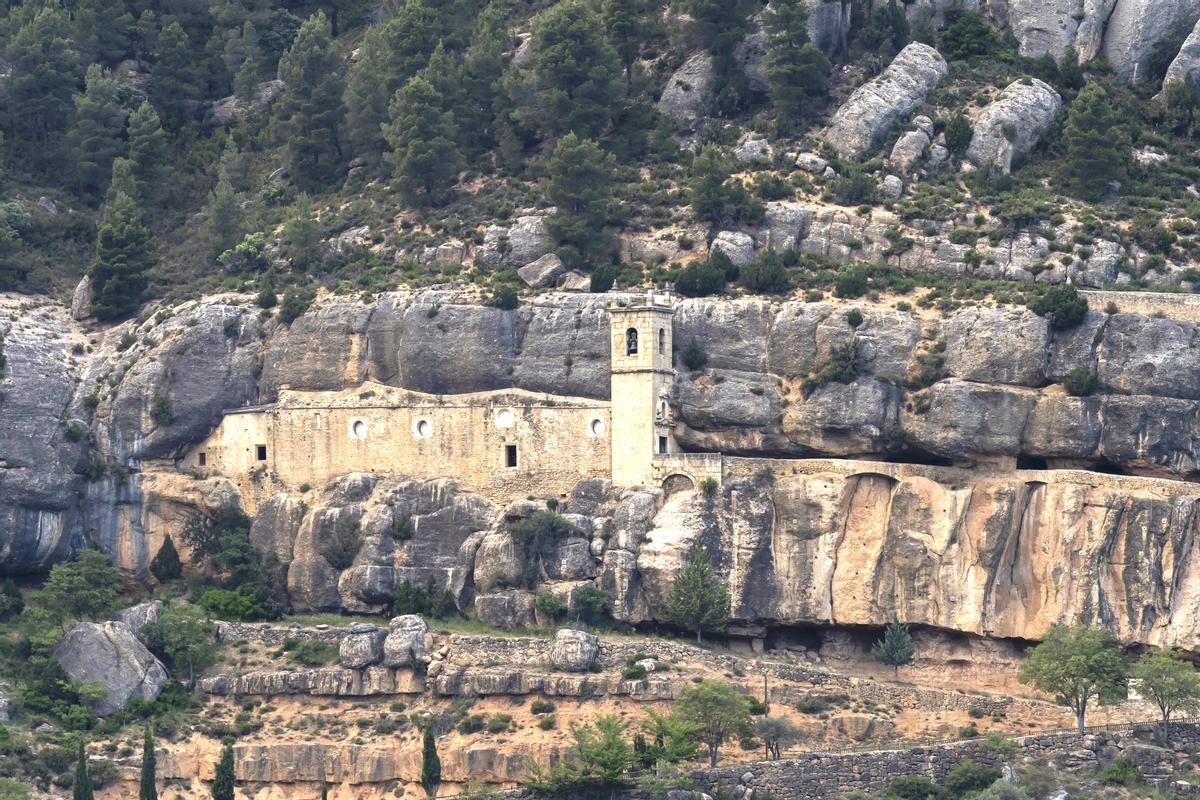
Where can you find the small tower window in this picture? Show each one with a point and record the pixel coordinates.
(662, 341)
(260, 452)
(423, 429)
(359, 429)
(631, 342)
(662, 445)
(203, 459)
(505, 418)
(510, 455)
(597, 427)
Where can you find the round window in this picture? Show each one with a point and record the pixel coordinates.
(360, 429)
(505, 419)
(424, 429)
(597, 427)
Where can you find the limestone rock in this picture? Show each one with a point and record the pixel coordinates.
(81, 300)
(231, 109)
(110, 654)
(543, 272)
(750, 55)
(994, 345)
(687, 96)
(829, 24)
(574, 651)
(1013, 124)
(811, 162)
(405, 642)
(1051, 26)
(738, 246)
(499, 562)
(362, 647)
(506, 610)
(1186, 65)
(1136, 27)
(892, 187)
(139, 616)
(528, 240)
(867, 116)
(752, 150)
(784, 224)
(573, 281)
(908, 150)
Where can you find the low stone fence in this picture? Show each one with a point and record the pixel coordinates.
(1181, 306)
(276, 635)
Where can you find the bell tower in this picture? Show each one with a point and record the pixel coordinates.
(643, 376)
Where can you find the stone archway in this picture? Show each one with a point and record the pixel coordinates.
(676, 483)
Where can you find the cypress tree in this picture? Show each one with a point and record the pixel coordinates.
(148, 790)
(579, 184)
(896, 648)
(125, 253)
(1098, 143)
(95, 138)
(266, 290)
(83, 788)
(391, 53)
(431, 764)
(173, 82)
(224, 782)
(147, 148)
(797, 71)
(224, 223)
(310, 109)
(424, 157)
(698, 600)
(166, 566)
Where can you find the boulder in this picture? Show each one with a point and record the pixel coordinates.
(1186, 65)
(1013, 124)
(784, 225)
(908, 150)
(6, 706)
(752, 150)
(543, 272)
(892, 187)
(812, 163)
(687, 96)
(750, 55)
(1051, 26)
(876, 106)
(110, 654)
(506, 610)
(139, 616)
(574, 282)
(499, 562)
(231, 109)
(405, 642)
(81, 300)
(528, 240)
(738, 246)
(362, 647)
(1137, 27)
(574, 651)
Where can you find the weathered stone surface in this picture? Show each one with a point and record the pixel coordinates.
(543, 272)
(574, 651)
(908, 150)
(528, 240)
(1013, 124)
(362, 647)
(1136, 27)
(1051, 26)
(829, 24)
(405, 642)
(738, 246)
(110, 654)
(875, 107)
(892, 187)
(322, 350)
(231, 109)
(505, 610)
(139, 616)
(996, 345)
(1186, 65)
(784, 224)
(687, 96)
(81, 299)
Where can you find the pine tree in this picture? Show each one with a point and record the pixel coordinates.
(392, 52)
(698, 600)
(574, 72)
(224, 224)
(424, 157)
(266, 290)
(246, 80)
(579, 184)
(717, 26)
(95, 139)
(147, 149)
(301, 236)
(125, 254)
(11, 601)
(123, 179)
(896, 648)
(446, 74)
(797, 70)
(102, 30)
(1098, 143)
(431, 764)
(166, 566)
(484, 64)
(174, 80)
(626, 25)
(83, 788)
(224, 782)
(309, 111)
(148, 789)
(35, 97)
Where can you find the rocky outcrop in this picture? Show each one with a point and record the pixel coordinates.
(829, 24)
(110, 654)
(405, 642)
(1186, 65)
(139, 616)
(574, 651)
(687, 97)
(1052, 26)
(1136, 27)
(1012, 124)
(865, 119)
(362, 647)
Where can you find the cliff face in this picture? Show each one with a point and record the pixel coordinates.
(90, 421)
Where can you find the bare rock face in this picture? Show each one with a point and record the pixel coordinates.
(687, 97)
(1052, 26)
(506, 610)
(574, 651)
(1186, 66)
(543, 272)
(362, 647)
(139, 616)
(865, 119)
(111, 655)
(1136, 27)
(1013, 124)
(829, 24)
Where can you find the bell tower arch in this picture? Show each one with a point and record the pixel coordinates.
(643, 377)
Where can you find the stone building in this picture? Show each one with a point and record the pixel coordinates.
(504, 444)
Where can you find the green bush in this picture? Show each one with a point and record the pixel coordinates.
(765, 274)
(969, 776)
(958, 133)
(541, 706)
(915, 787)
(1081, 382)
(295, 303)
(310, 652)
(634, 672)
(843, 366)
(1062, 305)
(591, 604)
(549, 605)
(1121, 771)
(851, 282)
(505, 297)
(854, 318)
(693, 355)
(603, 278)
(244, 603)
(968, 36)
(699, 279)
(499, 723)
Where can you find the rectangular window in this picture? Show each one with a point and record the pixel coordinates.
(260, 452)
(203, 459)
(510, 455)
(662, 445)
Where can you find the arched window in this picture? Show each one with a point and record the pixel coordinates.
(631, 342)
(662, 341)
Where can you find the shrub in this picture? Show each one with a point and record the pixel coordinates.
(853, 188)
(506, 298)
(634, 672)
(603, 278)
(549, 606)
(969, 36)
(970, 777)
(499, 723)
(843, 366)
(590, 603)
(310, 652)
(295, 303)
(165, 566)
(915, 787)
(765, 274)
(541, 706)
(472, 723)
(851, 282)
(693, 355)
(1121, 771)
(958, 133)
(160, 411)
(700, 278)
(854, 318)
(1062, 305)
(1081, 382)
(244, 603)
